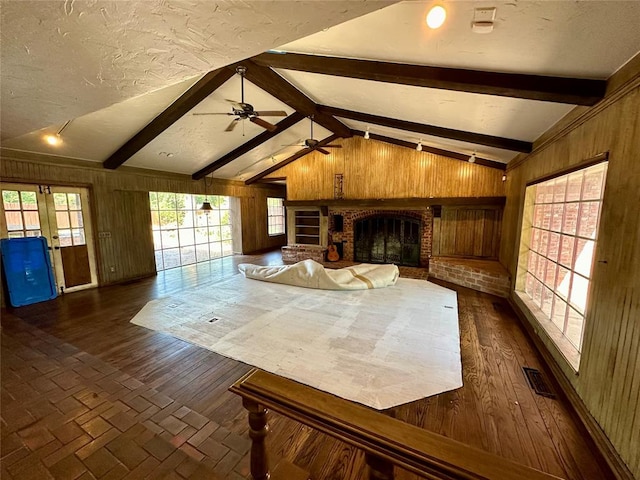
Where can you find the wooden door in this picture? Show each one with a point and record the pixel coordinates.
(61, 215)
(72, 239)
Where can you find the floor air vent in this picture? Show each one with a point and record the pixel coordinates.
(537, 382)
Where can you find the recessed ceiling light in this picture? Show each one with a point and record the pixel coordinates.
(436, 17)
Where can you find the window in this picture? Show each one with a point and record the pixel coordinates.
(21, 213)
(69, 219)
(559, 236)
(182, 235)
(275, 213)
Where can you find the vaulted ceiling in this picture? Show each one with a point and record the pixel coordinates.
(131, 77)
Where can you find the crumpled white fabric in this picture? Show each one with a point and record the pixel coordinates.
(311, 274)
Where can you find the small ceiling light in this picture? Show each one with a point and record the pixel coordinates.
(366, 134)
(472, 158)
(56, 139)
(53, 139)
(504, 177)
(436, 17)
(419, 146)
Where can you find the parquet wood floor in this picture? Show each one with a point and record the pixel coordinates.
(86, 394)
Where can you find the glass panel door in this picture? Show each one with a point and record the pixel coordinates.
(60, 215)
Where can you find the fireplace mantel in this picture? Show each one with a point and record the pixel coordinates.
(396, 203)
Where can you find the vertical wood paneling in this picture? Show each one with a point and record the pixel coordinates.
(468, 232)
(379, 170)
(609, 373)
(120, 205)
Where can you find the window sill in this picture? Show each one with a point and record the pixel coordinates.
(564, 346)
(277, 234)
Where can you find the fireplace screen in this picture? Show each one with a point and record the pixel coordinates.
(386, 239)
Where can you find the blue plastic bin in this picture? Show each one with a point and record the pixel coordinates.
(27, 270)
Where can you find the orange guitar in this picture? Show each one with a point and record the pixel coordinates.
(332, 251)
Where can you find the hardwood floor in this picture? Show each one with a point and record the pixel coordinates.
(139, 371)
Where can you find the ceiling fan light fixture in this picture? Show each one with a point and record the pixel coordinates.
(436, 16)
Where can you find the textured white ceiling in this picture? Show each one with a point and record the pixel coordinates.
(564, 38)
(487, 114)
(63, 59)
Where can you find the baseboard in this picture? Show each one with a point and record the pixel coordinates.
(580, 412)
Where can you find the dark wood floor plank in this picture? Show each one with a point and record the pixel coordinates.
(495, 409)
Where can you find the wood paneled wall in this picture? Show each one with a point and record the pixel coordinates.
(120, 205)
(375, 169)
(467, 232)
(609, 374)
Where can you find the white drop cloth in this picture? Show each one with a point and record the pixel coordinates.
(380, 347)
(311, 274)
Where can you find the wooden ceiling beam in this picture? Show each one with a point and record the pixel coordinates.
(275, 85)
(292, 158)
(577, 91)
(470, 137)
(437, 151)
(189, 99)
(281, 126)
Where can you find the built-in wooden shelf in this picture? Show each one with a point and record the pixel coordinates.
(307, 224)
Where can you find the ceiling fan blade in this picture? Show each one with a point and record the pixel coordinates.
(271, 113)
(232, 125)
(263, 124)
(214, 113)
(235, 103)
(322, 150)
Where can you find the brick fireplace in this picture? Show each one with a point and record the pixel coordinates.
(351, 217)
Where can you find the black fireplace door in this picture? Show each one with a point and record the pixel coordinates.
(388, 239)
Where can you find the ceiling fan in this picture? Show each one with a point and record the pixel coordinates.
(245, 111)
(313, 143)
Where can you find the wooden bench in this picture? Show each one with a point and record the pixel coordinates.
(386, 441)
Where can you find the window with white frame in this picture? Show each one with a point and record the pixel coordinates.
(183, 235)
(559, 235)
(275, 215)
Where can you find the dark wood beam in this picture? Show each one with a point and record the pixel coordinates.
(281, 126)
(470, 137)
(578, 91)
(437, 151)
(189, 99)
(292, 158)
(274, 84)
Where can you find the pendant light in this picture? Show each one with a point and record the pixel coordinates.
(206, 205)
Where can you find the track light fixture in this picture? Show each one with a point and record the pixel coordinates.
(472, 158)
(419, 146)
(366, 134)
